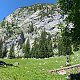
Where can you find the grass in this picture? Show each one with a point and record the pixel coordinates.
(35, 69)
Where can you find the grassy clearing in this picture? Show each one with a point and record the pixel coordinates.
(35, 69)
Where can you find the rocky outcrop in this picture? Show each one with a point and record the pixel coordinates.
(29, 22)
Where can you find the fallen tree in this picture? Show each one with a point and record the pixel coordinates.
(77, 66)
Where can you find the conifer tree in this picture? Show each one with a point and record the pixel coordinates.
(72, 9)
(64, 42)
(9, 30)
(42, 47)
(35, 49)
(4, 51)
(31, 29)
(49, 46)
(11, 53)
(43, 44)
(27, 49)
(22, 37)
(2, 23)
(1, 45)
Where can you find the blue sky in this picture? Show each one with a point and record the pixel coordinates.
(8, 6)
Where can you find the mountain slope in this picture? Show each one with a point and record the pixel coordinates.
(29, 22)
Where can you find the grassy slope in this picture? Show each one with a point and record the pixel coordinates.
(35, 69)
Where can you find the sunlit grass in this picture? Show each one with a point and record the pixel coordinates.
(36, 69)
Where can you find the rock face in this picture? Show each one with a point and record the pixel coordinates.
(28, 22)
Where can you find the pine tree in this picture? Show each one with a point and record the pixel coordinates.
(35, 8)
(3, 23)
(11, 53)
(49, 46)
(1, 45)
(72, 9)
(64, 42)
(9, 30)
(26, 49)
(31, 29)
(35, 49)
(22, 37)
(42, 47)
(43, 44)
(4, 51)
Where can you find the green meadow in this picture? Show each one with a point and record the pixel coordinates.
(36, 69)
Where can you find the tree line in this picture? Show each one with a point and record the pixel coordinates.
(42, 47)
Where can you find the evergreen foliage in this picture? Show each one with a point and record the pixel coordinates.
(43, 44)
(31, 29)
(72, 9)
(75, 46)
(1, 46)
(2, 23)
(4, 51)
(71, 36)
(9, 29)
(64, 42)
(11, 53)
(42, 48)
(22, 37)
(26, 49)
(49, 46)
(35, 49)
